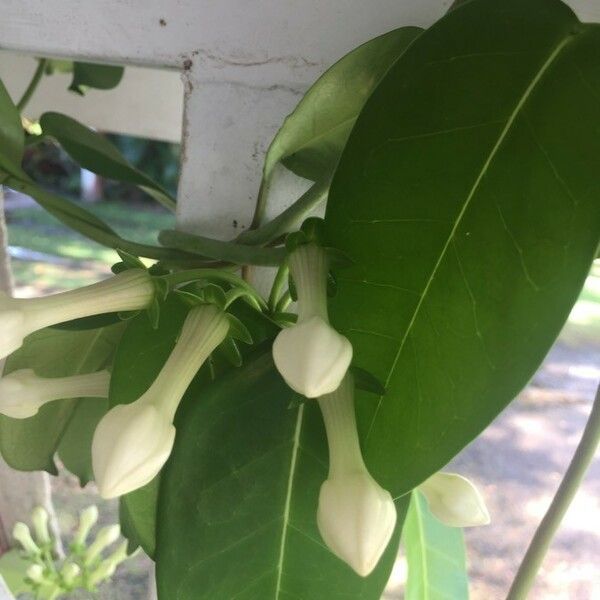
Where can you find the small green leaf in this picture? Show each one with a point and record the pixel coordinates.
(94, 152)
(229, 350)
(153, 313)
(90, 75)
(435, 554)
(312, 138)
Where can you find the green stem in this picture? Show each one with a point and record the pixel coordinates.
(239, 254)
(289, 218)
(35, 80)
(566, 492)
(89, 225)
(284, 302)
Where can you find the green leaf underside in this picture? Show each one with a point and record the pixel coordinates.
(435, 554)
(30, 444)
(91, 75)
(238, 499)
(94, 152)
(467, 196)
(311, 139)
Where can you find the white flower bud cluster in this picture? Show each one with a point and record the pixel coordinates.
(132, 442)
(356, 516)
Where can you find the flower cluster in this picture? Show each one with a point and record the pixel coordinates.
(133, 441)
(85, 567)
(356, 517)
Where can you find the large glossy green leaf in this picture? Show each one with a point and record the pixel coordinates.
(12, 138)
(75, 447)
(312, 137)
(238, 498)
(435, 554)
(30, 444)
(468, 198)
(91, 75)
(94, 152)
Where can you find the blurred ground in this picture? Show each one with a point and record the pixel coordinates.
(518, 462)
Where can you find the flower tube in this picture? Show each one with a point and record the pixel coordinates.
(22, 392)
(356, 516)
(454, 500)
(130, 290)
(133, 441)
(311, 356)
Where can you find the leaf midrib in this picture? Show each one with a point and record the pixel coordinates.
(288, 499)
(503, 134)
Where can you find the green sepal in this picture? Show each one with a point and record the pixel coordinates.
(313, 230)
(161, 288)
(153, 312)
(129, 260)
(189, 298)
(237, 330)
(230, 351)
(214, 294)
(119, 268)
(284, 319)
(295, 239)
(292, 289)
(367, 382)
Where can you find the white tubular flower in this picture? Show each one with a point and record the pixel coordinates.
(311, 356)
(454, 500)
(130, 290)
(108, 566)
(106, 536)
(133, 441)
(39, 518)
(36, 574)
(23, 393)
(87, 519)
(22, 534)
(356, 516)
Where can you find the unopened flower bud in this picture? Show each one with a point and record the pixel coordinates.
(22, 392)
(22, 534)
(69, 573)
(108, 566)
(36, 574)
(130, 290)
(106, 536)
(133, 441)
(356, 516)
(39, 518)
(311, 356)
(454, 500)
(87, 519)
